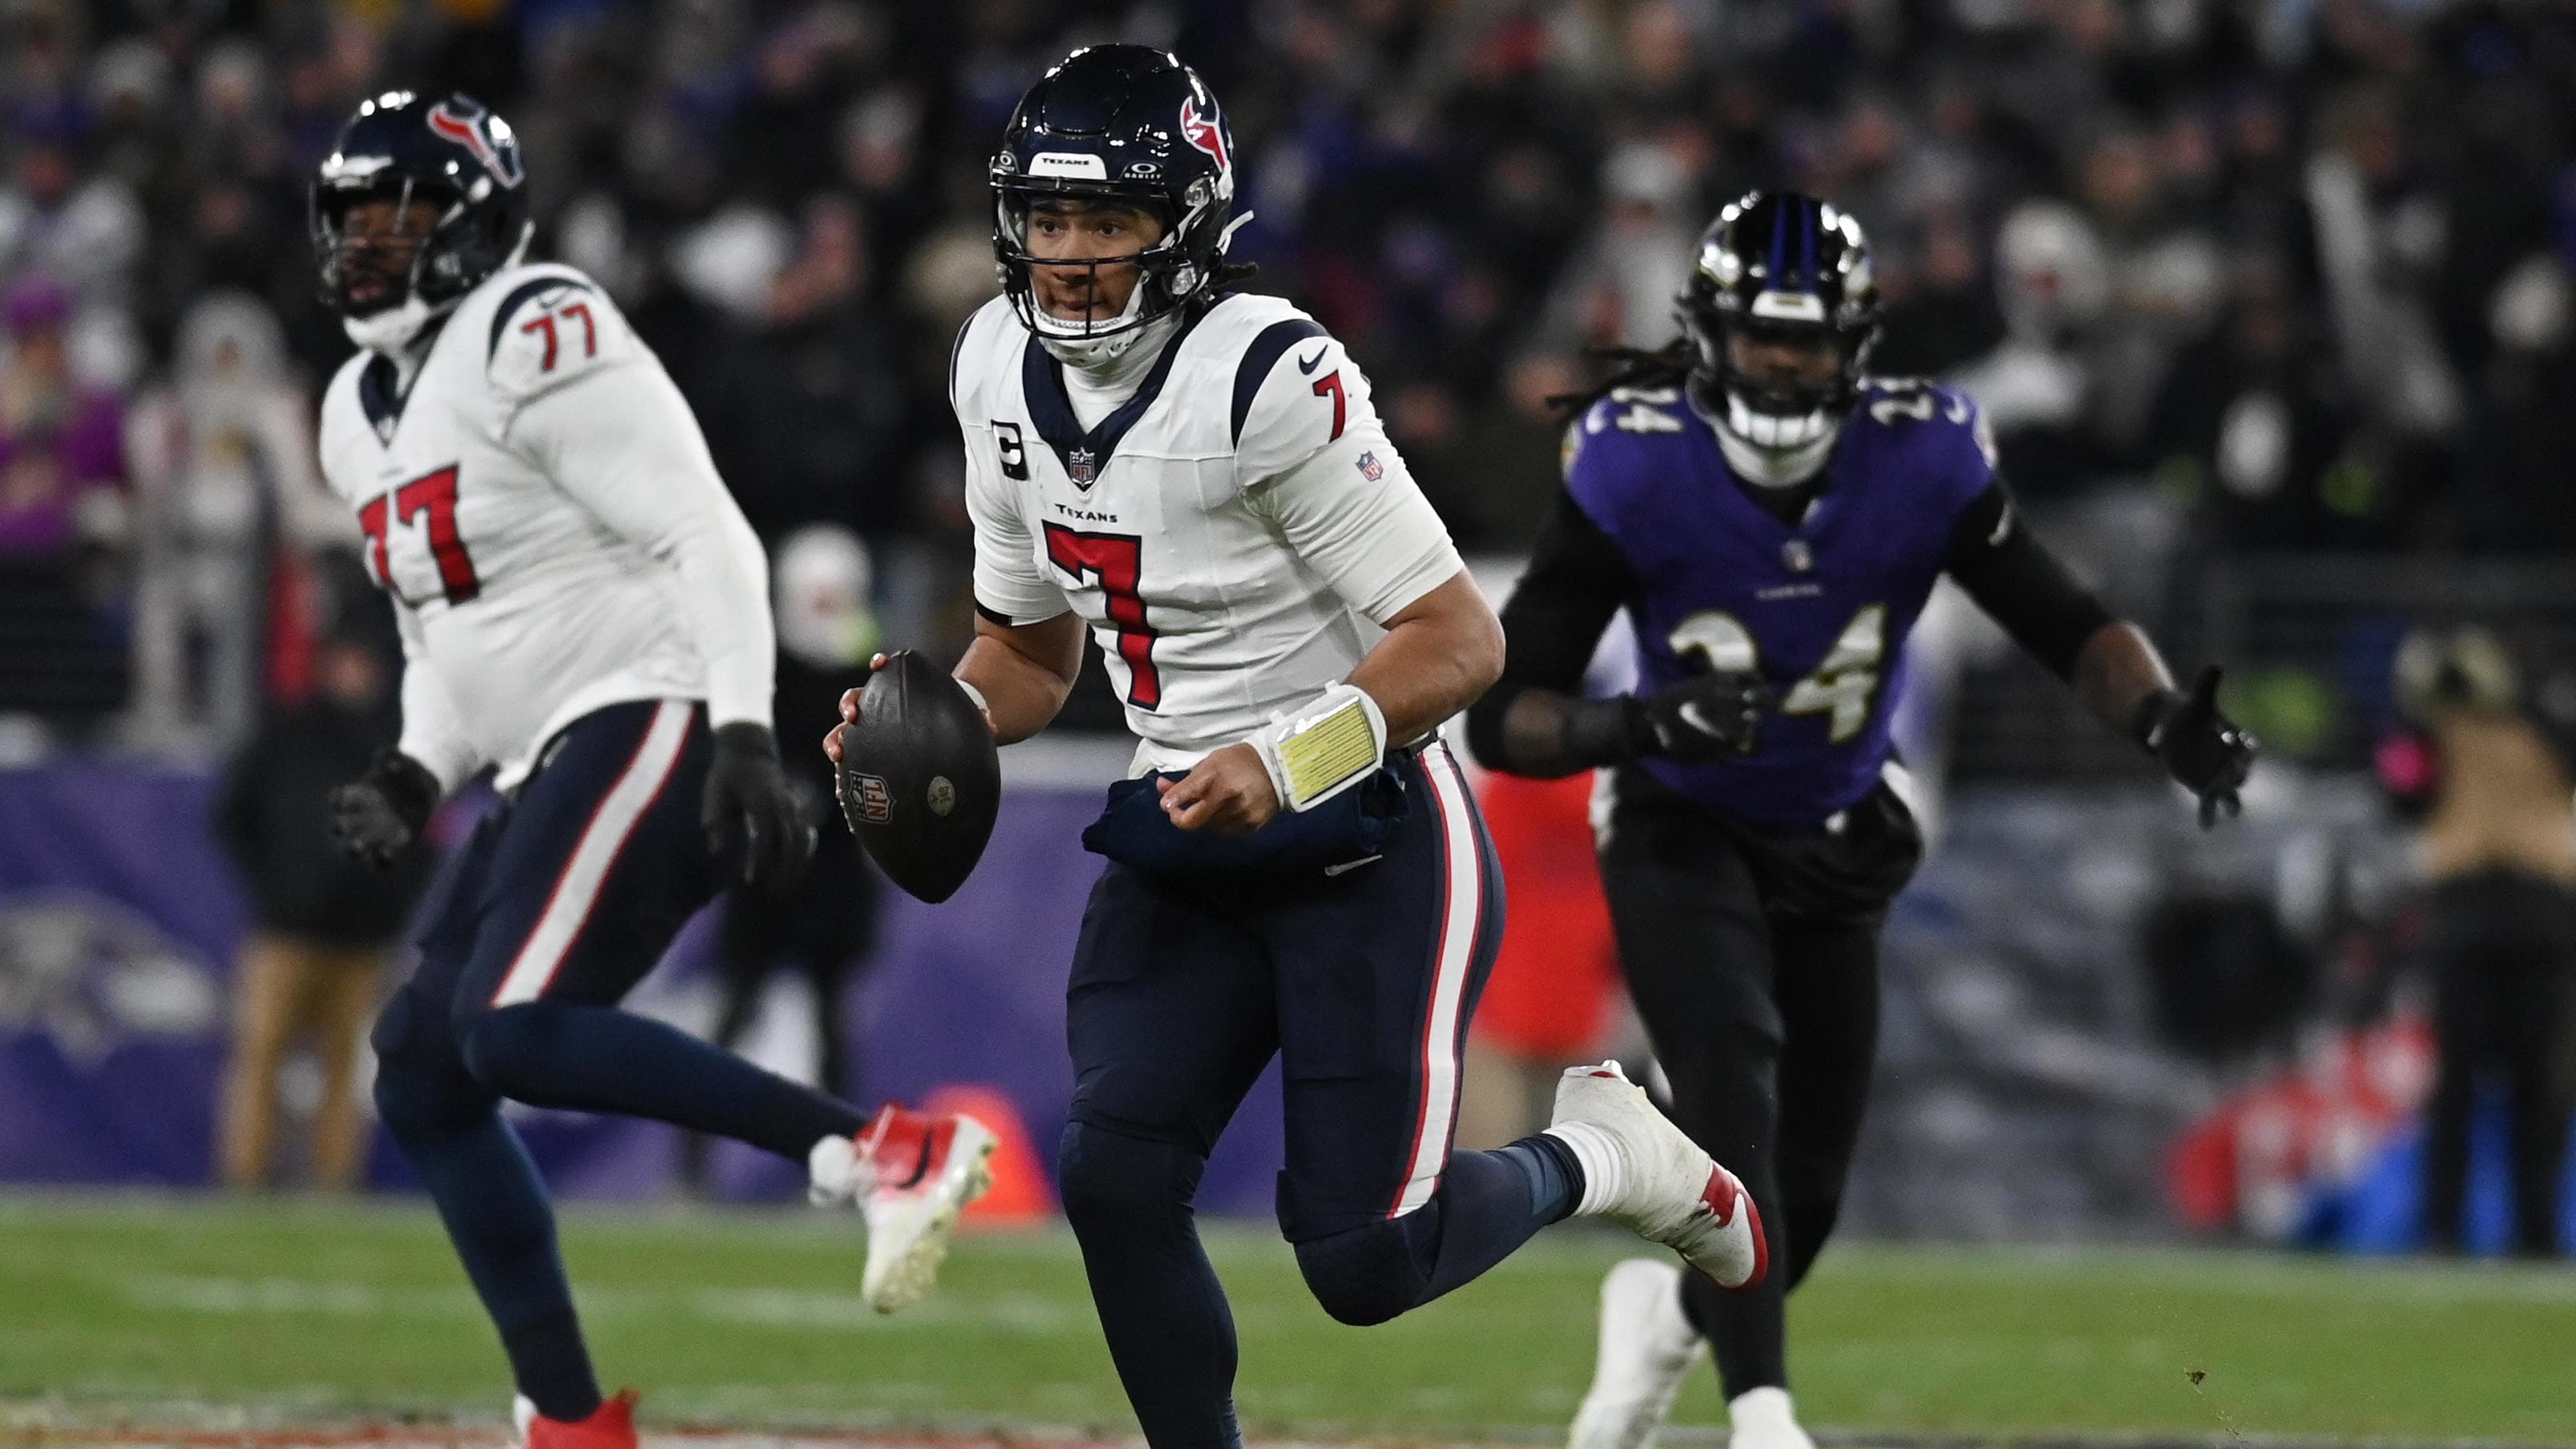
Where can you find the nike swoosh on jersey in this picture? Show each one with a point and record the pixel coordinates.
(1308, 364)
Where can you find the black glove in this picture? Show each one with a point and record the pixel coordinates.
(2198, 746)
(748, 799)
(379, 816)
(1706, 716)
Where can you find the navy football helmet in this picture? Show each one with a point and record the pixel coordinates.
(401, 147)
(1784, 265)
(1127, 124)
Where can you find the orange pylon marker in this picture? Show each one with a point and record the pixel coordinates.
(1021, 1195)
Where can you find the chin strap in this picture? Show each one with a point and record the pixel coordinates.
(1118, 360)
(1072, 344)
(400, 333)
(397, 331)
(1776, 467)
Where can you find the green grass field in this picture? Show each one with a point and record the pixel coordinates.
(316, 1311)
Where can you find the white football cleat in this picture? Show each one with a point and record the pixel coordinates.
(1763, 1419)
(1647, 1349)
(911, 1175)
(1642, 1171)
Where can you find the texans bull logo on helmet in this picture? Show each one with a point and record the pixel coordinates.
(1203, 133)
(465, 126)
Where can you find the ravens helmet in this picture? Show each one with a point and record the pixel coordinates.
(1127, 124)
(1782, 266)
(453, 153)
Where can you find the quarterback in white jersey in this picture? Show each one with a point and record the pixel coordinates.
(1198, 480)
(1254, 535)
(583, 609)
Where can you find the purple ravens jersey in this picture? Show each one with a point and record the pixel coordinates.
(1821, 608)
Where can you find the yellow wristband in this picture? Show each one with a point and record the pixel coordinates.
(1332, 743)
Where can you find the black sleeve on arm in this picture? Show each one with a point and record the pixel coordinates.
(2021, 584)
(1577, 580)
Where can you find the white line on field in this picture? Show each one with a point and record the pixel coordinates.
(1022, 1314)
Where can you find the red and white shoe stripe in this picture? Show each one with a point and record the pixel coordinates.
(1724, 1197)
(612, 822)
(1462, 919)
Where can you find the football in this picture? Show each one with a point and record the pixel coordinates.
(920, 779)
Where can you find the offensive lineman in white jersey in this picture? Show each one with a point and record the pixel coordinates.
(1297, 868)
(582, 607)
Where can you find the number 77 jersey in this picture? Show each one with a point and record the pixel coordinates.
(523, 567)
(1231, 531)
(1820, 607)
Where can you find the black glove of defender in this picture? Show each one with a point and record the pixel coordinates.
(1701, 718)
(1706, 716)
(378, 817)
(2203, 751)
(748, 799)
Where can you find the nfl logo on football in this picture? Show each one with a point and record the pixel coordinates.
(876, 802)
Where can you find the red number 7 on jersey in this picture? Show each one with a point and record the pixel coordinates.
(1119, 559)
(1330, 385)
(545, 323)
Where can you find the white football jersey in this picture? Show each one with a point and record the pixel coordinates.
(541, 507)
(1233, 532)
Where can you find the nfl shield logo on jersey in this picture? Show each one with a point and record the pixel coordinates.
(1082, 465)
(1371, 468)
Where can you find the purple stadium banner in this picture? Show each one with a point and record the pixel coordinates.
(119, 921)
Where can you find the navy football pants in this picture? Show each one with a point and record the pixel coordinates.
(567, 895)
(1362, 984)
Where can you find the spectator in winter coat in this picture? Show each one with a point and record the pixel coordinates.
(62, 517)
(324, 925)
(2500, 933)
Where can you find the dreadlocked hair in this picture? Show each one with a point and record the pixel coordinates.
(1665, 366)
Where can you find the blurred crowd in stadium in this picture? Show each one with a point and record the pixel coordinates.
(2293, 271)
(2236, 280)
